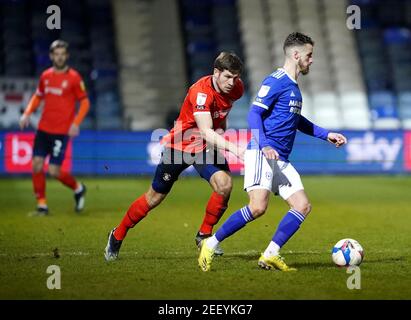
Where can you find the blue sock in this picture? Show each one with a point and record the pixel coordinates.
(287, 227)
(234, 223)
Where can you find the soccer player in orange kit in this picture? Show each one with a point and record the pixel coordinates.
(194, 141)
(61, 87)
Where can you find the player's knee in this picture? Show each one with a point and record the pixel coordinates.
(54, 172)
(37, 165)
(257, 209)
(303, 207)
(224, 188)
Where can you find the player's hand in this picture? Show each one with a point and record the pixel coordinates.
(270, 153)
(24, 121)
(240, 152)
(336, 139)
(219, 131)
(74, 131)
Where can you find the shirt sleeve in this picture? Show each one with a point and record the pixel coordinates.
(267, 95)
(201, 101)
(255, 123)
(307, 127)
(79, 88)
(40, 87)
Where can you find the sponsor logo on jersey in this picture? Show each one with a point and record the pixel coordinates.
(200, 107)
(263, 91)
(295, 103)
(166, 176)
(295, 110)
(292, 94)
(52, 90)
(201, 99)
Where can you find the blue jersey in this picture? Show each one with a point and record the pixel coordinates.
(276, 114)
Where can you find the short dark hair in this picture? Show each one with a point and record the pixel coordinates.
(58, 44)
(296, 39)
(228, 61)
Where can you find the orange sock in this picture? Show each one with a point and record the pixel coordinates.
(216, 207)
(68, 180)
(42, 202)
(137, 211)
(39, 185)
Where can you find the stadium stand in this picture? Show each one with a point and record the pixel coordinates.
(24, 53)
(152, 69)
(384, 43)
(209, 27)
(138, 57)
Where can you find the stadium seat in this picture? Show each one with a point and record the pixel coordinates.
(384, 110)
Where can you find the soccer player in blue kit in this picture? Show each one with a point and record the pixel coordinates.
(274, 118)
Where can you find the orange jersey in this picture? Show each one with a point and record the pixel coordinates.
(60, 92)
(201, 98)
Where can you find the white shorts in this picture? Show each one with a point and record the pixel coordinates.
(279, 177)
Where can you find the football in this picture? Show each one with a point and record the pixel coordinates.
(347, 252)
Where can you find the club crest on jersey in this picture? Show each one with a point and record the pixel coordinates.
(201, 99)
(64, 84)
(263, 91)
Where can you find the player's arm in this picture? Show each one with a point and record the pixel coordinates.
(33, 104)
(309, 128)
(81, 95)
(205, 124)
(81, 114)
(255, 123)
(266, 97)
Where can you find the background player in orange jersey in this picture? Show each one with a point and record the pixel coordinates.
(193, 141)
(61, 87)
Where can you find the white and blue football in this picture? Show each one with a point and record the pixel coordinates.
(347, 252)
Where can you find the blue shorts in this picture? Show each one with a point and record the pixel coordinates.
(50, 144)
(173, 162)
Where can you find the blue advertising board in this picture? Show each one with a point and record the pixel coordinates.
(134, 153)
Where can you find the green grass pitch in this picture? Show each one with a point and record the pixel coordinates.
(158, 259)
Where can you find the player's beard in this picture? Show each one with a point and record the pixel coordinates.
(59, 65)
(304, 70)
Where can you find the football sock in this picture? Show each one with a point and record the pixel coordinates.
(39, 185)
(273, 249)
(137, 211)
(288, 226)
(215, 209)
(42, 203)
(234, 223)
(79, 188)
(68, 180)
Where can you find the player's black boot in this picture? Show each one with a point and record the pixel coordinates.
(41, 210)
(113, 247)
(80, 198)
